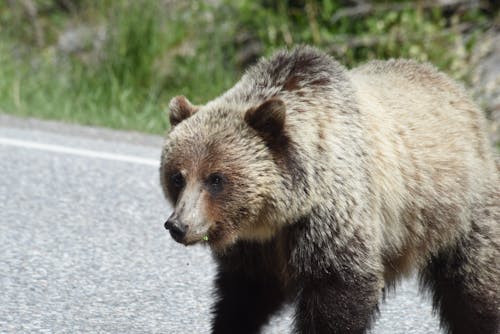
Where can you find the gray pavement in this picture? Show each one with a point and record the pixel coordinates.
(83, 248)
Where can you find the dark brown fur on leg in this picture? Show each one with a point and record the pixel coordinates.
(247, 289)
(465, 283)
(245, 305)
(339, 306)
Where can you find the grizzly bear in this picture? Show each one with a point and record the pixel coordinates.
(321, 186)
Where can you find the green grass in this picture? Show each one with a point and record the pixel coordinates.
(144, 61)
(129, 88)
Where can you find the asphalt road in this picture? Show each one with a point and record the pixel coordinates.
(83, 248)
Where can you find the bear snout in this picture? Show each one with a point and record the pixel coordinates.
(176, 228)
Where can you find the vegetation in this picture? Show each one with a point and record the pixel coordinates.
(129, 57)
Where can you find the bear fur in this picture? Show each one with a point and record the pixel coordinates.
(322, 186)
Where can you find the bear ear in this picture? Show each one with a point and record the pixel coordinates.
(179, 109)
(268, 118)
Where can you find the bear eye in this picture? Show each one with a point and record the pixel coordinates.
(177, 180)
(215, 182)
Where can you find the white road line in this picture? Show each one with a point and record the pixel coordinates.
(78, 151)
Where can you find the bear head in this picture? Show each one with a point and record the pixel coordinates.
(222, 171)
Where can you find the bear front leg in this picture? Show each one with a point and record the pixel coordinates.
(337, 305)
(244, 303)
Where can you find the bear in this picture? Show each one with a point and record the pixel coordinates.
(322, 187)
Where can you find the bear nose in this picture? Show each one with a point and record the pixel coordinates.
(176, 228)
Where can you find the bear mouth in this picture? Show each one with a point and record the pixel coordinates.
(210, 236)
(218, 236)
(195, 239)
